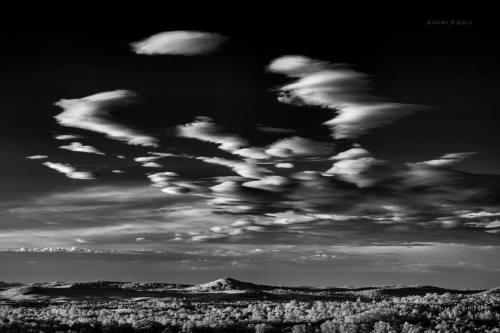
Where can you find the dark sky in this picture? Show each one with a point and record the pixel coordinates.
(262, 188)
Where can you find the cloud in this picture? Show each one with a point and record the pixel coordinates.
(298, 146)
(68, 137)
(205, 130)
(179, 43)
(494, 224)
(70, 171)
(152, 165)
(78, 147)
(82, 241)
(352, 153)
(296, 65)
(146, 158)
(162, 179)
(437, 173)
(275, 130)
(291, 217)
(270, 183)
(354, 120)
(243, 169)
(227, 186)
(338, 88)
(362, 171)
(284, 165)
(92, 113)
(252, 153)
(479, 214)
(176, 190)
(448, 159)
(36, 157)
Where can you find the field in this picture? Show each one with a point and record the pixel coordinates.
(228, 305)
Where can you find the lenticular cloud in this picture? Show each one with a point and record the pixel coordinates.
(179, 43)
(70, 171)
(92, 113)
(335, 87)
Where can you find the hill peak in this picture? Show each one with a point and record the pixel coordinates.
(224, 284)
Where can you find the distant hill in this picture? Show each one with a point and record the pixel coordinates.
(494, 291)
(225, 287)
(7, 285)
(226, 284)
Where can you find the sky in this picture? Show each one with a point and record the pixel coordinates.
(341, 152)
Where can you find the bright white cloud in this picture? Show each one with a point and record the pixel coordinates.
(227, 186)
(78, 147)
(179, 43)
(291, 217)
(270, 183)
(36, 157)
(68, 137)
(146, 158)
(152, 165)
(243, 169)
(479, 214)
(493, 224)
(69, 171)
(356, 171)
(448, 159)
(336, 87)
(205, 130)
(284, 165)
(295, 65)
(92, 113)
(81, 241)
(252, 153)
(352, 153)
(298, 146)
(161, 179)
(176, 190)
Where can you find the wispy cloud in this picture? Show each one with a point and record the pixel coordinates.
(336, 87)
(78, 147)
(152, 165)
(357, 166)
(298, 146)
(244, 169)
(92, 113)
(70, 171)
(68, 137)
(162, 179)
(269, 183)
(205, 130)
(186, 43)
(36, 157)
(275, 130)
(448, 159)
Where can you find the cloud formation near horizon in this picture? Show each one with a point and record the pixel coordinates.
(333, 86)
(92, 113)
(180, 42)
(287, 189)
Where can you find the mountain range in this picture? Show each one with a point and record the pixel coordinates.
(224, 287)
